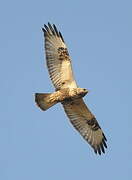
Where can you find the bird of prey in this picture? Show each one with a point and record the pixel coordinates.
(67, 92)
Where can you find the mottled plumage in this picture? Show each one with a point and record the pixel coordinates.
(67, 92)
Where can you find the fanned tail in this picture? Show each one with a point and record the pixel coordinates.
(43, 100)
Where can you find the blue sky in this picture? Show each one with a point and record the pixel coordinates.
(44, 145)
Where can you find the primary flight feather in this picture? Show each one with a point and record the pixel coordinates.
(67, 91)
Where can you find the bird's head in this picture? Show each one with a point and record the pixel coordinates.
(82, 91)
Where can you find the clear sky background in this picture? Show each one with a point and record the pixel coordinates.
(36, 145)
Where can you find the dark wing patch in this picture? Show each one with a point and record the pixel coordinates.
(93, 123)
(63, 54)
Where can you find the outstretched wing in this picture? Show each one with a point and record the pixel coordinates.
(58, 59)
(85, 122)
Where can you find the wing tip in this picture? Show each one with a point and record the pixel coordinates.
(52, 30)
(99, 149)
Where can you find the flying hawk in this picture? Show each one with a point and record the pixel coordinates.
(67, 91)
